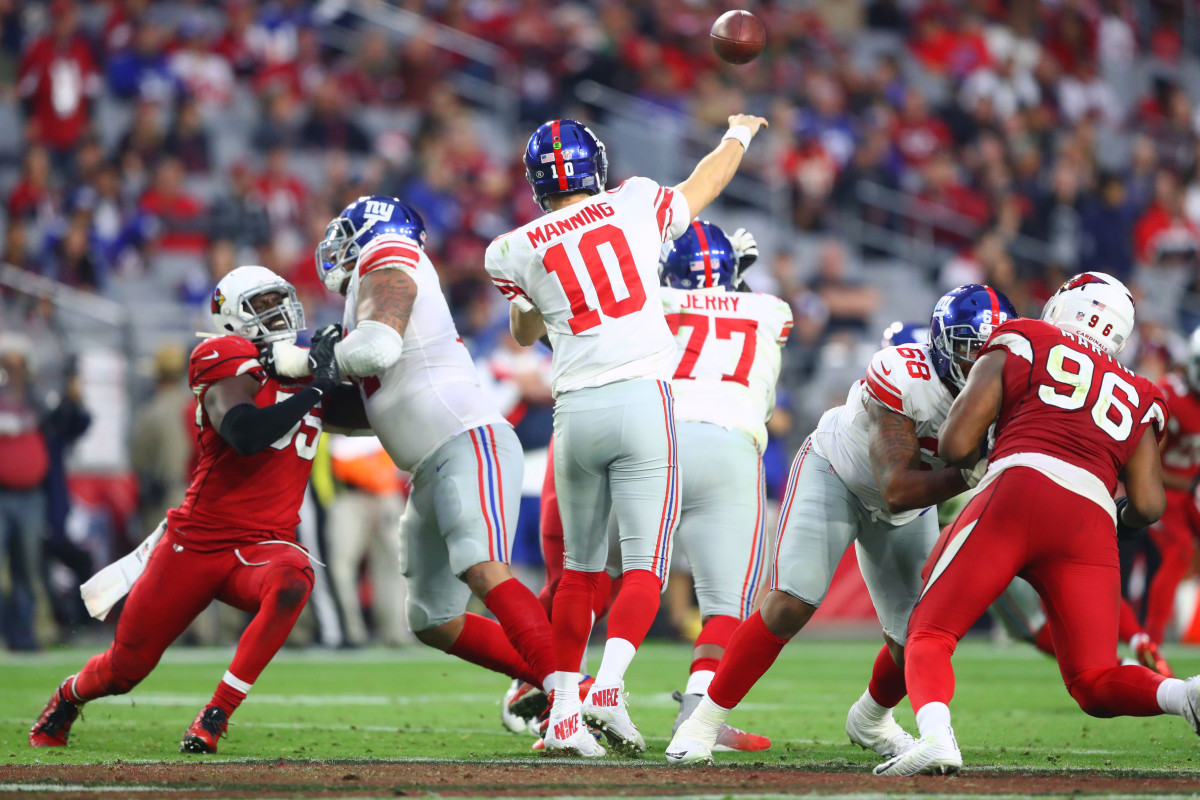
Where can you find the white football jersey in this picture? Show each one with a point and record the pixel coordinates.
(591, 269)
(902, 378)
(432, 393)
(727, 356)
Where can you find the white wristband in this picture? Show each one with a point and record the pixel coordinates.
(290, 361)
(741, 133)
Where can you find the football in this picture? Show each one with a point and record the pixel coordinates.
(738, 37)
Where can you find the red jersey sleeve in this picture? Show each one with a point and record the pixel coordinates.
(223, 357)
(1159, 413)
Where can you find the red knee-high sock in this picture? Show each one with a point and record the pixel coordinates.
(285, 592)
(717, 631)
(1043, 641)
(887, 680)
(636, 605)
(482, 641)
(572, 618)
(751, 652)
(928, 673)
(525, 624)
(1127, 623)
(606, 592)
(1130, 691)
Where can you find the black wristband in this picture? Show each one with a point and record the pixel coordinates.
(249, 429)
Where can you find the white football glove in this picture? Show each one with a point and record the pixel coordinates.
(745, 248)
(974, 475)
(286, 360)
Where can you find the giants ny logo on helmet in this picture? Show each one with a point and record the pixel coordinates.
(962, 321)
(359, 223)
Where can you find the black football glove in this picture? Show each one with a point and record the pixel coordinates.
(1125, 531)
(321, 359)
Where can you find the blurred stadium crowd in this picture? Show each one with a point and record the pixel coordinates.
(148, 147)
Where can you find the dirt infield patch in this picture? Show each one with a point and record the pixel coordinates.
(423, 777)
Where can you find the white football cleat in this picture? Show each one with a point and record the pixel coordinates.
(730, 739)
(1191, 712)
(605, 710)
(567, 735)
(884, 736)
(928, 756)
(511, 721)
(689, 747)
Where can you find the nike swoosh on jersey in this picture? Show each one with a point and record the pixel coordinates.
(885, 370)
(439, 466)
(210, 356)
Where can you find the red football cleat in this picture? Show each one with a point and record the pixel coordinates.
(54, 725)
(208, 726)
(527, 701)
(731, 738)
(1149, 656)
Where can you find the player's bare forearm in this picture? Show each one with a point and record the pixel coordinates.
(387, 296)
(526, 326)
(977, 406)
(1143, 480)
(896, 464)
(228, 393)
(716, 170)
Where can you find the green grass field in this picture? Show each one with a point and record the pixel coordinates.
(1011, 710)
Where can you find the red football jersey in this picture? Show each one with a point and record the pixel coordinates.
(1067, 399)
(1181, 447)
(235, 499)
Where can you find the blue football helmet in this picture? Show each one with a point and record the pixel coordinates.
(899, 334)
(359, 223)
(962, 321)
(700, 259)
(565, 156)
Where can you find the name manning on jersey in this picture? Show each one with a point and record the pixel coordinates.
(593, 212)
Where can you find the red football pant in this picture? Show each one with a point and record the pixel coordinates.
(1065, 546)
(1127, 627)
(271, 580)
(1173, 536)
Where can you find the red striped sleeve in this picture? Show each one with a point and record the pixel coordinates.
(880, 391)
(389, 252)
(665, 214)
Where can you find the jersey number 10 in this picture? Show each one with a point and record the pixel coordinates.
(583, 316)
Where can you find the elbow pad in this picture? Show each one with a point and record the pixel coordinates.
(369, 349)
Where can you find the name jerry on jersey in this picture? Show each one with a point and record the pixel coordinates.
(592, 212)
(710, 302)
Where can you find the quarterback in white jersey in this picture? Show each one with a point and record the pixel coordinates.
(424, 402)
(728, 353)
(586, 275)
(870, 475)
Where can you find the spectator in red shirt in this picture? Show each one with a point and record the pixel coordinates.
(184, 223)
(1164, 236)
(56, 80)
(282, 192)
(952, 209)
(917, 135)
(32, 196)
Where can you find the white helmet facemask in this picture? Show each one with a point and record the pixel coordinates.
(235, 311)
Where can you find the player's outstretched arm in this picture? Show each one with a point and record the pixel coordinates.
(1143, 484)
(716, 170)
(526, 326)
(977, 406)
(385, 304)
(249, 429)
(896, 464)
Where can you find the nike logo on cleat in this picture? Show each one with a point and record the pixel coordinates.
(439, 466)
(605, 697)
(567, 728)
